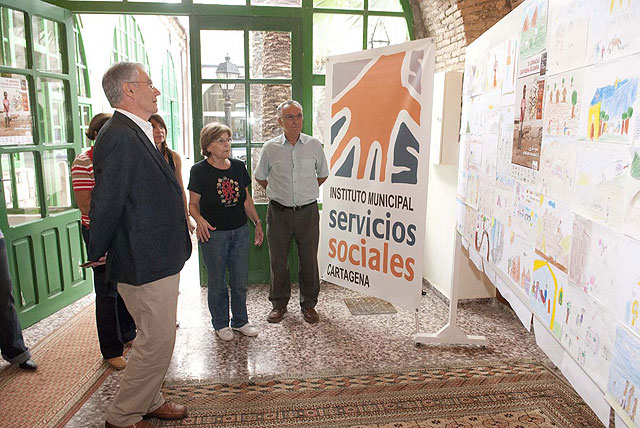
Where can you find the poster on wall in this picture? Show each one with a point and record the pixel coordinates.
(15, 125)
(527, 132)
(373, 218)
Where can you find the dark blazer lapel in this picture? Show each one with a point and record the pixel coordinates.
(149, 146)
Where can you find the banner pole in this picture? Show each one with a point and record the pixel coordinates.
(451, 333)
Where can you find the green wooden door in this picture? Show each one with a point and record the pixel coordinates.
(39, 138)
(242, 68)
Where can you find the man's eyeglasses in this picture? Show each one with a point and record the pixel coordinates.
(293, 116)
(222, 140)
(149, 83)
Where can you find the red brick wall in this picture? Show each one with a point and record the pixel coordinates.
(455, 23)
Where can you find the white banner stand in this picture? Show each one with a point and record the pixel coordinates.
(451, 333)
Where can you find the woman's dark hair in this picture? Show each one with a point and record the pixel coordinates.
(96, 124)
(160, 120)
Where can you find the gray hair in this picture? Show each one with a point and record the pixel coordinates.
(286, 104)
(115, 76)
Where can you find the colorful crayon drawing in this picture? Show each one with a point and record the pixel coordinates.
(588, 333)
(595, 258)
(518, 260)
(558, 167)
(562, 104)
(489, 156)
(601, 177)
(623, 389)
(510, 62)
(610, 97)
(546, 294)
(555, 228)
(629, 285)
(474, 168)
(533, 28)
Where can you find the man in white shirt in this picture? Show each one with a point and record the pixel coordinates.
(291, 169)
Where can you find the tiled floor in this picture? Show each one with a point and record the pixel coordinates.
(339, 343)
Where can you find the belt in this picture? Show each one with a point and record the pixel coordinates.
(281, 207)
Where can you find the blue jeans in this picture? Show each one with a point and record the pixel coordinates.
(227, 251)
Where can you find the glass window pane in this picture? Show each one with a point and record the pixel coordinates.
(385, 5)
(386, 30)
(16, 122)
(225, 105)
(264, 118)
(53, 115)
(293, 3)
(14, 43)
(259, 194)
(47, 44)
(231, 2)
(318, 113)
(270, 54)
(56, 180)
(342, 4)
(334, 35)
(222, 54)
(20, 188)
(85, 118)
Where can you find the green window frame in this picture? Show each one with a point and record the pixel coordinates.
(83, 88)
(128, 43)
(170, 102)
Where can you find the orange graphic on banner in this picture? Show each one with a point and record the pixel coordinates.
(375, 103)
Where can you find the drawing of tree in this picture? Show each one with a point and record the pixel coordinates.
(574, 101)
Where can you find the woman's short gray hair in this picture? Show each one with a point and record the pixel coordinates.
(286, 104)
(115, 76)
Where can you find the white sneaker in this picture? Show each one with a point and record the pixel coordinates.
(225, 334)
(247, 330)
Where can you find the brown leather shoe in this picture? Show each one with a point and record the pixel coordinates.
(141, 424)
(168, 410)
(117, 363)
(310, 315)
(276, 315)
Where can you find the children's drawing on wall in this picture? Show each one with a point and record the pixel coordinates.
(623, 389)
(470, 221)
(505, 144)
(472, 111)
(588, 333)
(629, 285)
(595, 260)
(613, 30)
(491, 115)
(610, 98)
(518, 260)
(494, 75)
(555, 228)
(567, 35)
(601, 177)
(558, 167)
(527, 133)
(510, 65)
(533, 28)
(482, 238)
(562, 104)
(632, 199)
(546, 294)
(525, 214)
(461, 210)
(463, 168)
(489, 156)
(474, 169)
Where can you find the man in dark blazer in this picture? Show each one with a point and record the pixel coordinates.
(138, 222)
